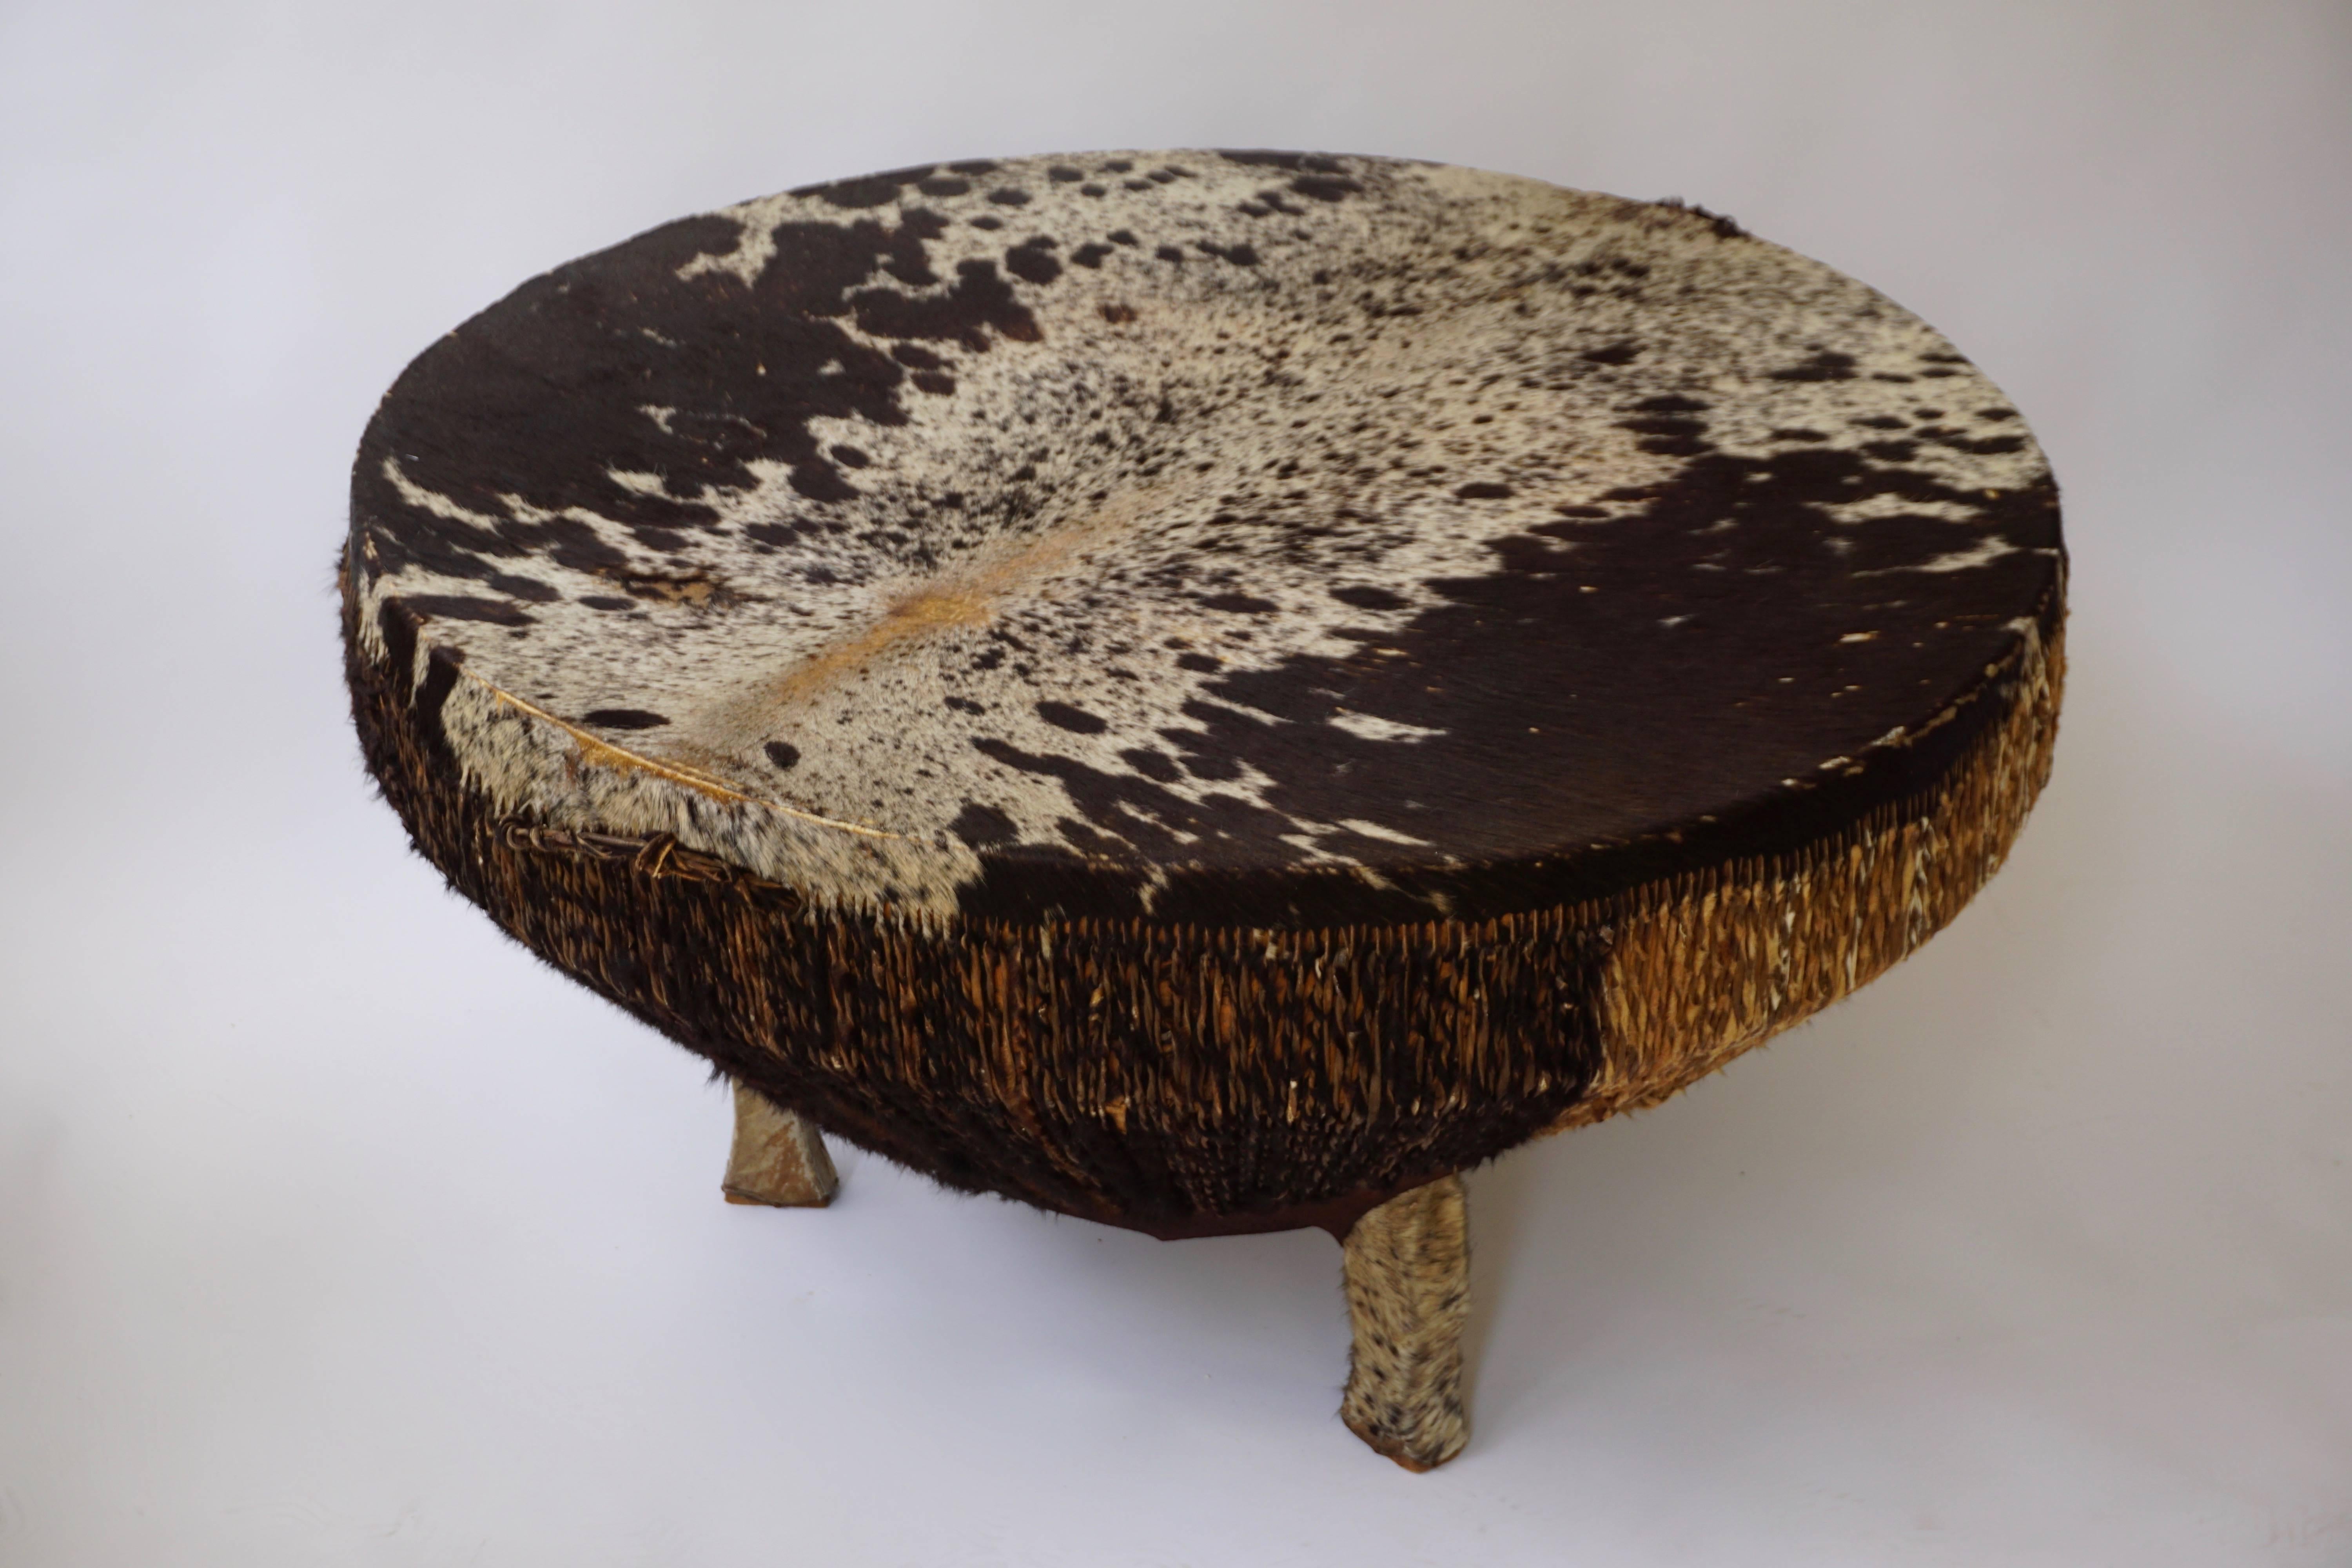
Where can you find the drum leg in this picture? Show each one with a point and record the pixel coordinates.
(779, 1157)
(1408, 1269)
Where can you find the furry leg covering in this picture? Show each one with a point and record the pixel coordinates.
(1407, 1271)
(779, 1157)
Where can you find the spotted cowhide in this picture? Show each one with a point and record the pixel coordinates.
(1246, 538)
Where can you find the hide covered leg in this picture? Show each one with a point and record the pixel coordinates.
(1407, 1271)
(779, 1157)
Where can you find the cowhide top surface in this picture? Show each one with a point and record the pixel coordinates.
(1254, 538)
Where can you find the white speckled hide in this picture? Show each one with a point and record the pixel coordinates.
(1173, 513)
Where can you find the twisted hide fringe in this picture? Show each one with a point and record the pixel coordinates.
(1132, 1070)
(1706, 966)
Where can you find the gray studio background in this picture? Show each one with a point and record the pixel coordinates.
(333, 1230)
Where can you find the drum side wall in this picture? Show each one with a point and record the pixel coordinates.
(1151, 1072)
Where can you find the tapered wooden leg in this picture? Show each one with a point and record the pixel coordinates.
(1408, 1264)
(779, 1157)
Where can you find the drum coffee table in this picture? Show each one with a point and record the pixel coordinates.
(1207, 691)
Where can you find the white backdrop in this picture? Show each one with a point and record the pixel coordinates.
(333, 1230)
